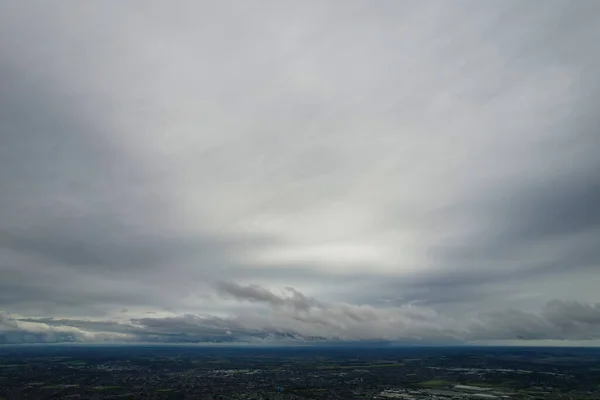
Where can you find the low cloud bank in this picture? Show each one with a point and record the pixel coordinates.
(292, 316)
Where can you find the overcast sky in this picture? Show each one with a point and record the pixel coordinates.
(276, 171)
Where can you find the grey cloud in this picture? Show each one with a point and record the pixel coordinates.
(145, 156)
(309, 317)
(186, 328)
(251, 293)
(87, 325)
(549, 229)
(558, 320)
(296, 300)
(511, 324)
(573, 316)
(71, 198)
(24, 336)
(81, 245)
(13, 330)
(551, 210)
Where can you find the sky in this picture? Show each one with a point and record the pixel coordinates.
(300, 172)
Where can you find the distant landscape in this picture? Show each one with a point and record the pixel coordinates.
(302, 372)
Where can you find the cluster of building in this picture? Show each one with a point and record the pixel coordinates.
(455, 392)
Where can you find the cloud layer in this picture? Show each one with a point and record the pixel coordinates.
(291, 316)
(414, 171)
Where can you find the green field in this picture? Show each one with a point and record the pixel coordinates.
(436, 383)
(365, 366)
(106, 387)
